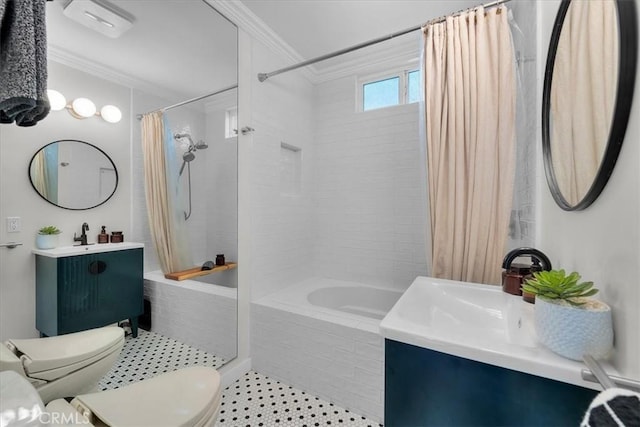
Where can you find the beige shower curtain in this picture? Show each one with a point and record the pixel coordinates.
(470, 128)
(39, 174)
(165, 231)
(583, 94)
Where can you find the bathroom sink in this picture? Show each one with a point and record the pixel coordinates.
(65, 251)
(477, 322)
(455, 311)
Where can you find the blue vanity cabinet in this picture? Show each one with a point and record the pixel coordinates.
(428, 388)
(75, 293)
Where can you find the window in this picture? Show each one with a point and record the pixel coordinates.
(396, 89)
(382, 93)
(413, 86)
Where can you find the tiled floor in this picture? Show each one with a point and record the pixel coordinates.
(253, 401)
(256, 400)
(152, 354)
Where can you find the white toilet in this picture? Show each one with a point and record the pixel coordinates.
(186, 397)
(65, 365)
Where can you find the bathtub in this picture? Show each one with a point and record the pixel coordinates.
(197, 313)
(322, 335)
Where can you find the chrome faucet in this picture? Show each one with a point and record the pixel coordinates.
(83, 237)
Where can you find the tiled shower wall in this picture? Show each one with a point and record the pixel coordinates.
(523, 29)
(369, 190)
(221, 192)
(282, 238)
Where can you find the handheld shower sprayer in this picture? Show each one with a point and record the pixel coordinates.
(187, 157)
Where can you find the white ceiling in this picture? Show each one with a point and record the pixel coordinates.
(188, 49)
(183, 46)
(317, 27)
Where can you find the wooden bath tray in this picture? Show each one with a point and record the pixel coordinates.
(198, 271)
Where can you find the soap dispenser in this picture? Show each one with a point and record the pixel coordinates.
(103, 237)
(514, 275)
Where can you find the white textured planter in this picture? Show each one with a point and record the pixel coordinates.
(46, 241)
(571, 331)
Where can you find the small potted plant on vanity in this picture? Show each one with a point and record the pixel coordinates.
(567, 320)
(47, 237)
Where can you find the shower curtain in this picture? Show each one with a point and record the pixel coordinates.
(583, 95)
(45, 172)
(167, 225)
(469, 84)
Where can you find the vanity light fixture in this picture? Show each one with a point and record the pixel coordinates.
(82, 108)
(110, 113)
(57, 101)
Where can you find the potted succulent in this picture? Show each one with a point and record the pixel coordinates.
(47, 237)
(567, 320)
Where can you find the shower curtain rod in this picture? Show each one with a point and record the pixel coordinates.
(264, 76)
(188, 101)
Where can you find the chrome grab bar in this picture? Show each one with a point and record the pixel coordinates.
(596, 374)
(10, 245)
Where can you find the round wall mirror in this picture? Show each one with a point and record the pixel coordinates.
(588, 89)
(73, 174)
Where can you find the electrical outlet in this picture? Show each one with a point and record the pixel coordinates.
(13, 224)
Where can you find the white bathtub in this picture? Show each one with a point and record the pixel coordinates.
(360, 300)
(322, 335)
(203, 315)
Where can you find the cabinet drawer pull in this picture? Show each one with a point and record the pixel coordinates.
(97, 267)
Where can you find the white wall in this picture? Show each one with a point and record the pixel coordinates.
(369, 210)
(18, 198)
(522, 229)
(281, 223)
(80, 182)
(222, 182)
(602, 242)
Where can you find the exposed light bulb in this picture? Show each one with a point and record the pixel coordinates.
(111, 113)
(57, 100)
(82, 108)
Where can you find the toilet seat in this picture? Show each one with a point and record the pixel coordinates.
(186, 397)
(54, 357)
(65, 365)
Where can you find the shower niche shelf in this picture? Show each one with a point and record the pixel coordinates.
(198, 271)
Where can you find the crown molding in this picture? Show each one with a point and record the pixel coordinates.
(73, 60)
(385, 55)
(245, 19)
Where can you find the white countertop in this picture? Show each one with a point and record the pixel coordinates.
(66, 251)
(478, 322)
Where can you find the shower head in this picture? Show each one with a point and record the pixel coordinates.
(183, 135)
(200, 145)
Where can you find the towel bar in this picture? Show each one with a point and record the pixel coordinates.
(596, 374)
(10, 245)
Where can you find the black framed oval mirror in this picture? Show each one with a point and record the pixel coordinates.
(73, 174)
(588, 89)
